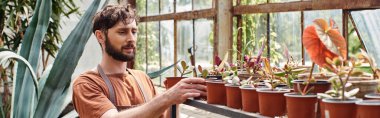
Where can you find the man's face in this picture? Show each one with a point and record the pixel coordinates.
(120, 41)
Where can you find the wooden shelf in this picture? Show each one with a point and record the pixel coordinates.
(222, 110)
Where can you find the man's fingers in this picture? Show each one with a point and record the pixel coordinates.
(191, 95)
(195, 86)
(194, 80)
(203, 93)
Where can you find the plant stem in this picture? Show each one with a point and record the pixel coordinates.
(308, 79)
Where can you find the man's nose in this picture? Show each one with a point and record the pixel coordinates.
(131, 37)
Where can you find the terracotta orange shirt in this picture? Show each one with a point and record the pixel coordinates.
(91, 95)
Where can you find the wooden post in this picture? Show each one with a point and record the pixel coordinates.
(239, 34)
(345, 28)
(224, 28)
(175, 40)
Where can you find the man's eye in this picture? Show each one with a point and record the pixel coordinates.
(122, 32)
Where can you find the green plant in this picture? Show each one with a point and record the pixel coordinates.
(204, 72)
(186, 69)
(44, 99)
(221, 67)
(270, 80)
(233, 79)
(289, 72)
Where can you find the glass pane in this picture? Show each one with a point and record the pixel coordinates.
(310, 16)
(354, 44)
(254, 33)
(167, 46)
(204, 43)
(184, 40)
(153, 7)
(285, 35)
(153, 48)
(184, 5)
(367, 22)
(141, 7)
(167, 6)
(140, 59)
(202, 4)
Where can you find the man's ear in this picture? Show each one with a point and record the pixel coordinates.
(100, 37)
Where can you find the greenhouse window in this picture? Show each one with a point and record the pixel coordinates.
(368, 25)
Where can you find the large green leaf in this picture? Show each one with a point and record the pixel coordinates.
(6, 56)
(58, 81)
(24, 97)
(156, 74)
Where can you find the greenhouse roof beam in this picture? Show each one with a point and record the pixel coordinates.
(306, 6)
(206, 13)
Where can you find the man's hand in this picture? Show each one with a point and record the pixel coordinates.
(186, 88)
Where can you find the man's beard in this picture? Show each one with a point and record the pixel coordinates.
(118, 55)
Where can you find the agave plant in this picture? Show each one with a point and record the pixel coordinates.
(44, 98)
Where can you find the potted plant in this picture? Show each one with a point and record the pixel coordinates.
(216, 91)
(271, 100)
(370, 108)
(327, 48)
(301, 103)
(249, 95)
(233, 94)
(184, 70)
(367, 84)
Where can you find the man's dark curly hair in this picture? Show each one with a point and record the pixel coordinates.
(112, 14)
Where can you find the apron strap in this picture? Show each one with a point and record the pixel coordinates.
(109, 85)
(141, 87)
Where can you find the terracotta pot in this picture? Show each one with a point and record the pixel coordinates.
(336, 108)
(366, 85)
(301, 106)
(321, 108)
(171, 81)
(250, 99)
(202, 97)
(372, 96)
(216, 92)
(320, 86)
(233, 96)
(368, 109)
(272, 102)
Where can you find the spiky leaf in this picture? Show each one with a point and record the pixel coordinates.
(58, 81)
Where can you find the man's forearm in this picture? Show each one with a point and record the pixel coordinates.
(151, 109)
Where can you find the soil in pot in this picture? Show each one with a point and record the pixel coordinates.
(250, 99)
(372, 96)
(233, 96)
(272, 102)
(301, 106)
(366, 85)
(320, 86)
(336, 108)
(216, 92)
(171, 81)
(368, 109)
